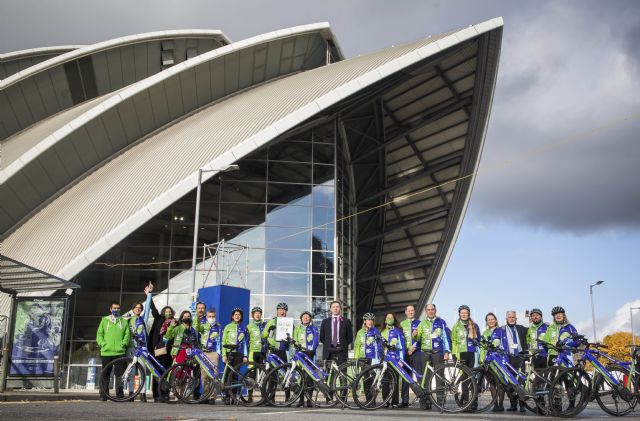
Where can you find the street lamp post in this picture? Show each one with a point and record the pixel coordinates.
(633, 338)
(196, 226)
(593, 311)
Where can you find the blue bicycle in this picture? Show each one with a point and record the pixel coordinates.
(614, 386)
(197, 379)
(450, 386)
(496, 376)
(118, 388)
(325, 384)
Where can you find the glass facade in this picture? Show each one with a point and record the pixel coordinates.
(286, 205)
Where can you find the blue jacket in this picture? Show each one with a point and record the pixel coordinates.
(395, 336)
(307, 336)
(368, 344)
(211, 337)
(434, 335)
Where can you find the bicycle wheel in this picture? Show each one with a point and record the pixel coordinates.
(570, 392)
(374, 387)
(283, 385)
(539, 388)
(342, 379)
(118, 389)
(185, 381)
(487, 386)
(451, 387)
(242, 381)
(615, 400)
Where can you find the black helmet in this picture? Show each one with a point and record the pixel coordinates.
(253, 310)
(556, 310)
(369, 316)
(535, 310)
(306, 312)
(464, 307)
(283, 306)
(237, 309)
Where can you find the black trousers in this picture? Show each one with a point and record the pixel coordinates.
(339, 358)
(434, 360)
(540, 362)
(416, 361)
(166, 362)
(468, 359)
(233, 359)
(517, 363)
(119, 370)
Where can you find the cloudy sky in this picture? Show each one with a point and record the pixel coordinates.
(557, 202)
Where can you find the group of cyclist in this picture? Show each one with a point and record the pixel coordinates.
(417, 342)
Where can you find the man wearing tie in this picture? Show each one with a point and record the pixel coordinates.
(336, 334)
(513, 340)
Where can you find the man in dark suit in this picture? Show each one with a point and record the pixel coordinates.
(336, 334)
(514, 342)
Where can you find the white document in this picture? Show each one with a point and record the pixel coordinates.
(284, 327)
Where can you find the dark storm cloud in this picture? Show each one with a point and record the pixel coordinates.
(560, 153)
(565, 67)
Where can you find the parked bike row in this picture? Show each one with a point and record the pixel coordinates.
(547, 369)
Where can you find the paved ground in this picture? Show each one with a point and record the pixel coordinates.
(95, 410)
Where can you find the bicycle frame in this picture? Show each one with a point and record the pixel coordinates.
(507, 374)
(592, 357)
(210, 368)
(142, 354)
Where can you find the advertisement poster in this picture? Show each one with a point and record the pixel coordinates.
(36, 336)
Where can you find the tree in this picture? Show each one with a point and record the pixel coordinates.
(618, 344)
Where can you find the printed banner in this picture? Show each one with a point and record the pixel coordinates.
(284, 328)
(37, 335)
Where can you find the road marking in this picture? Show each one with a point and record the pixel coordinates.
(299, 410)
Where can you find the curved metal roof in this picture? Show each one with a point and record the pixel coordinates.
(68, 79)
(87, 220)
(49, 156)
(17, 61)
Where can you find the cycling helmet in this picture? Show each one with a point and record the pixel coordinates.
(535, 310)
(464, 307)
(237, 309)
(556, 310)
(282, 306)
(368, 316)
(253, 310)
(306, 312)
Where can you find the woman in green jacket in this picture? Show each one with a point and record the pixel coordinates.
(235, 333)
(184, 336)
(492, 323)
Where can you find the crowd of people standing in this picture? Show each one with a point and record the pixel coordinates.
(417, 341)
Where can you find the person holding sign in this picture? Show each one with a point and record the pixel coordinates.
(278, 341)
(306, 335)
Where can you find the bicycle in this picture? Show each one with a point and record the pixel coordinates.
(238, 381)
(614, 388)
(437, 384)
(325, 387)
(496, 375)
(569, 384)
(125, 368)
